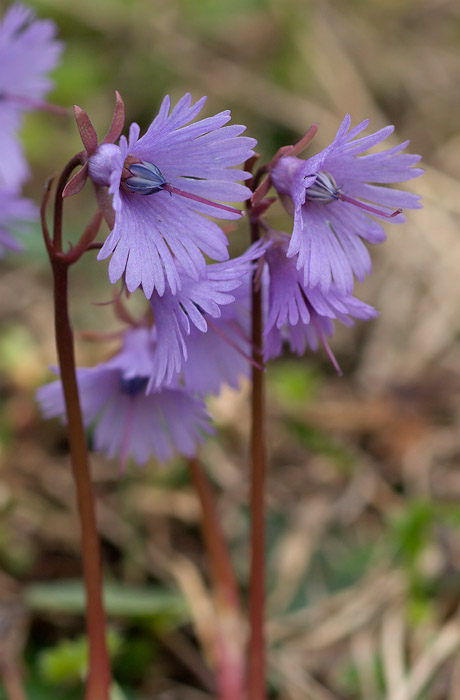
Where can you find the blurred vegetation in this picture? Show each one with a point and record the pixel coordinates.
(364, 483)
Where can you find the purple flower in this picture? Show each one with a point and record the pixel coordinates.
(332, 195)
(221, 355)
(299, 314)
(162, 184)
(28, 51)
(127, 422)
(216, 357)
(196, 305)
(15, 213)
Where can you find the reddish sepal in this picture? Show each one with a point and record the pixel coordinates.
(87, 131)
(76, 184)
(118, 121)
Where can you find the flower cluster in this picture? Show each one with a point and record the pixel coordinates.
(28, 52)
(157, 192)
(337, 199)
(164, 186)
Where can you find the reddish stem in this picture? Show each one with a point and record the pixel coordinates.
(78, 159)
(44, 223)
(222, 572)
(86, 239)
(99, 677)
(230, 658)
(257, 653)
(98, 682)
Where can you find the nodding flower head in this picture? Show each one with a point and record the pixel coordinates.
(302, 315)
(128, 423)
(197, 305)
(162, 183)
(331, 196)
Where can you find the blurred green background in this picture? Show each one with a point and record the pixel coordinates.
(364, 483)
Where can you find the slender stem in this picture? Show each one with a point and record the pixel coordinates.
(99, 676)
(222, 572)
(230, 660)
(44, 223)
(257, 653)
(98, 683)
(86, 239)
(59, 202)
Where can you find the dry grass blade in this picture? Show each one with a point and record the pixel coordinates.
(392, 648)
(298, 683)
(444, 645)
(363, 647)
(318, 627)
(295, 549)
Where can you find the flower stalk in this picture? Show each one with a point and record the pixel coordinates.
(256, 676)
(229, 647)
(99, 676)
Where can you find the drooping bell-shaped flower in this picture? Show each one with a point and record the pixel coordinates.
(302, 315)
(197, 304)
(129, 423)
(338, 199)
(162, 184)
(222, 354)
